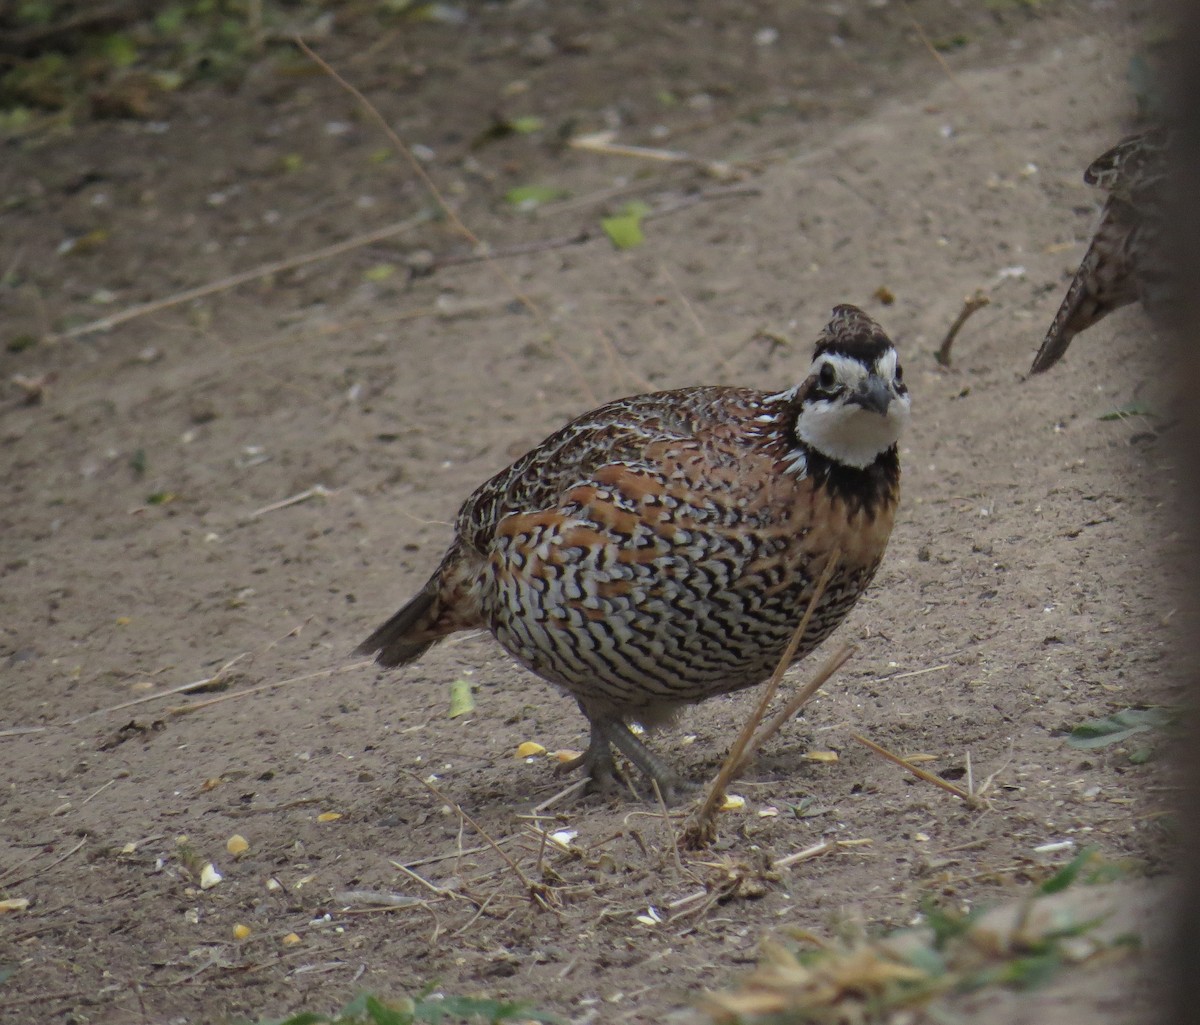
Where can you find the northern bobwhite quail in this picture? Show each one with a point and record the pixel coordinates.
(1126, 260)
(661, 549)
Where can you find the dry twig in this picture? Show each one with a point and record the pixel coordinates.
(481, 252)
(796, 702)
(971, 800)
(20, 731)
(451, 214)
(183, 688)
(184, 709)
(970, 304)
(824, 847)
(538, 893)
(316, 491)
(232, 281)
(45, 868)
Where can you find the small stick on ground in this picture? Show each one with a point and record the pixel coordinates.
(316, 491)
(254, 274)
(969, 799)
(666, 818)
(602, 142)
(431, 859)
(970, 304)
(824, 847)
(184, 709)
(376, 898)
(537, 892)
(796, 702)
(702, 828)
(441, 891)
(575, 788)
(452, 217)
(183, 688)
(45, 868)
(578, 238)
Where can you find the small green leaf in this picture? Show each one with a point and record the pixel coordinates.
(529, 197)
(167, 80)
(461, 700)
(1126, 411)
(526, 125)
(380, 272)
(625, 229)
(292, 162)
(119, 50)
(160, 498)
(1120, 726)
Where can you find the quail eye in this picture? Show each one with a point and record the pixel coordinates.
(827, 376)
(899, 374)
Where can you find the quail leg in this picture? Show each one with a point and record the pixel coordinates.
(671, 785)
(596, 762)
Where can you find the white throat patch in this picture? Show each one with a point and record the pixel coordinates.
(847, 432)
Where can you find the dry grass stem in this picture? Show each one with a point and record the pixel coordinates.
(536, 891)
(272, 809)
(376, 899)
(183, 688)
(458, 853)
(484, 253)
(97, 792)
(970, 304)
(232, 281)
(577, 787)
(184, 709)
(665, 813)
(703, 824)
(316, 491)
(816, 850)
(45, 868)
(971, 800)
(20, 731)
(441, 891)
(908, 675)
(796, 702)
(602, 142)
(452, 217)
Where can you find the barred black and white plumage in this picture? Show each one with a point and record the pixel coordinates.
(659, 550)
(1127, 259)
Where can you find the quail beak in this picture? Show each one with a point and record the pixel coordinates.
(874, 394)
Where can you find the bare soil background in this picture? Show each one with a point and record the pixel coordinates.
(1027, 587)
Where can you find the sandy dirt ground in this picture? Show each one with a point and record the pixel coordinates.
(145, 542)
